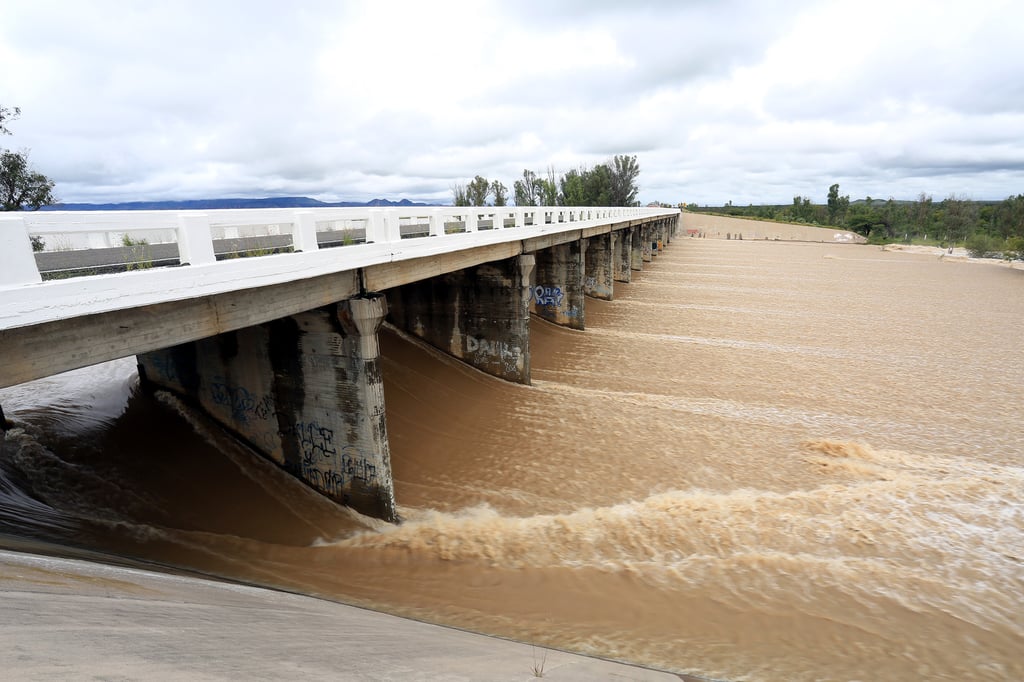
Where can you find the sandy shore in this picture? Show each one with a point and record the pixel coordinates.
(956, 255)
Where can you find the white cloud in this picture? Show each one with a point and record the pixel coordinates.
(736, 100)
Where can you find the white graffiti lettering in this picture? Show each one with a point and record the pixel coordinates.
(548, 295)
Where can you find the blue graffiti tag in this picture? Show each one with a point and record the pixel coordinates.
(548, 295)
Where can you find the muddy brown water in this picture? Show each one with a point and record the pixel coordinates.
(762, 460)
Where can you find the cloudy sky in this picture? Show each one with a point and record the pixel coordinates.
(739, 100)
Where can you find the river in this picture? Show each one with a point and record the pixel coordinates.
(761, 461)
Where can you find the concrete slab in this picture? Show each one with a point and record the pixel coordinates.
(72, 619)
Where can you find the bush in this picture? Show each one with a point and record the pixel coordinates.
(980, 245)
(1014, 249)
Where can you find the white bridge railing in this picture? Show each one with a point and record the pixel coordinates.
(197, 239)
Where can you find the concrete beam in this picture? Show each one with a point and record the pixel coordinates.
(558, 284)
(390, 275)
(534, 244)
(304, 391)
(49, 348)
(480, 315)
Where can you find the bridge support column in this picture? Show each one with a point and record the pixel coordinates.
(304, 390)
(558, 284)
(480, 315)
(599, 270)
(636, 260)
(649, 251)
(623, 255)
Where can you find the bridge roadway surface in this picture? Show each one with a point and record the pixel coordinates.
(73, 619)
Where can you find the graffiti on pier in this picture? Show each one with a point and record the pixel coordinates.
(543, 295)
(356, 465)
(333, 474)
(316, 442)
(476, 344)
(329, 482)
(244, 405)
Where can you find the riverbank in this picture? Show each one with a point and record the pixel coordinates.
(956, 254)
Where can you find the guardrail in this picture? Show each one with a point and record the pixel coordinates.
(198, 237)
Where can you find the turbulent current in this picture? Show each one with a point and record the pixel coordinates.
(762, 460)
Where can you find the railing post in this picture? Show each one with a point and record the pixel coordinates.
(471, 219)
(437, 222)
(383, 226)
(304, 232)
(17, 262)
(520, 216)
(195, 243)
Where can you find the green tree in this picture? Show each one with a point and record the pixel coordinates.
(549, 188)
(1009, 217)
(838, 206)
(572, 192)
(833, 203)
(500, 192)
(21, 187)
(527, 190)
(477, 191)
(587, 187)
(921, 214)
(7, 114)
(624, 172)
(459, 195)
(959, 218)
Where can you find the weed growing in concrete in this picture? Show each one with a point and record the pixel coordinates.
(138, 256)
(538, 665)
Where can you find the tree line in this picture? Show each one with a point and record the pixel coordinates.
(984, 227)
(613, 183)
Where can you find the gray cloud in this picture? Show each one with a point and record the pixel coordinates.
(721, 101)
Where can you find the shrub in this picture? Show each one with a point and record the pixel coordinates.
(980, 245)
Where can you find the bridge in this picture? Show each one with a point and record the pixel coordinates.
(268, 319)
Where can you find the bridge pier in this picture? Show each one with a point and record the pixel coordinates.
(623, 254)
(304, 390)
(558, 284)
(648, 249)
(480, 315)
(599, 270)
(636, 260)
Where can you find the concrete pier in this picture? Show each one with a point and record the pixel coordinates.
(305, 391)
(636, 256)
(480, 315)
(599, 270)
(648, 236)
(622, 254)
(558, 294)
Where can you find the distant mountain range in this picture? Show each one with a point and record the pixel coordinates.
(211, 204)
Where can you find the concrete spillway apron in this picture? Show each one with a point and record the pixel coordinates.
(71, 619)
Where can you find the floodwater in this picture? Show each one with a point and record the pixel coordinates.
(762, 461)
